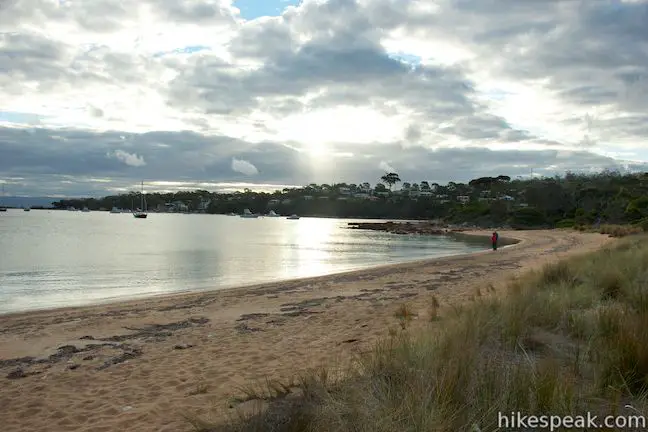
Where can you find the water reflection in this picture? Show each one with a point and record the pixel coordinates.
(70, 258)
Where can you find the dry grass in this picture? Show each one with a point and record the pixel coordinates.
(613, 230)
(567, 339)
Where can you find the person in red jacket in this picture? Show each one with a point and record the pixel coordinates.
(494, 239)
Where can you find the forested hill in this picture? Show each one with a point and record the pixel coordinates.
(608, 197)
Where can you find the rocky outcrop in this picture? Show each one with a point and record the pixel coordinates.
(424, 228)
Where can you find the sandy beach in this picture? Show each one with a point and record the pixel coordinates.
(142, 365)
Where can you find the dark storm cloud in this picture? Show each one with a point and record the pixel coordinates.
(60, 160)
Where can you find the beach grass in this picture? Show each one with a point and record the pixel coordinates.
(568, 339)
(614, 230)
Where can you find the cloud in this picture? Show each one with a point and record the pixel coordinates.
(436, 90)
(386, 167)
(244, 167)
(129, 159)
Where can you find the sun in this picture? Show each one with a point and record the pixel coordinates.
(317, 130)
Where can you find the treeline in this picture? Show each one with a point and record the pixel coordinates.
(562, 201)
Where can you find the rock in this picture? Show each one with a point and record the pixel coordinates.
(16, 373)
(86, 338)
(73, 366)
(182, 346)
(89, 357)
(67, 349)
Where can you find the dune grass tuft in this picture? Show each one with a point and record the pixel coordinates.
(566, 340)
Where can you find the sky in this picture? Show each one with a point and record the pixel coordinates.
(99, 95)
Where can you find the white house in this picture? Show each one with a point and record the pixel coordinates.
(463, 199)
(204, 203)
(344, 190)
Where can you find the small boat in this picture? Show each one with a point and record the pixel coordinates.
(293, 217)
(232, 214)
(72, 209)
(115, 210)
(3, 209)
(247, 214)
(85, 210)
(273, 214)
(140, 213)
(27, 208)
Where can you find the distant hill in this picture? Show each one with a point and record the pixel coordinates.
(16, 201)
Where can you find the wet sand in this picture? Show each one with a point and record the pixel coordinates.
(141, 365)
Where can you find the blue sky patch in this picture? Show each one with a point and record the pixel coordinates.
(252, 9)
(411, 59)
(186, 50)
(19, 117)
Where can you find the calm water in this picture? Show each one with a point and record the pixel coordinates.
(58, 258)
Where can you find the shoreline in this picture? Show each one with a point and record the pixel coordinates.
(141, 365)
(313, 279)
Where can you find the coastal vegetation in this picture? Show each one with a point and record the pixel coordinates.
(565, 340)
(572, 200)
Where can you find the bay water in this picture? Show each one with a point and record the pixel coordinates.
(51, 259)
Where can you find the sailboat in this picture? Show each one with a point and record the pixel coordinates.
(140, 213)
(273, 214)
(3, 208)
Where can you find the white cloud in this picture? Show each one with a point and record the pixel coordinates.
(129, 159)
(244, 167)
(386, 167)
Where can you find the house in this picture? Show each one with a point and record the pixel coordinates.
(203, 204)
(176, 206)
(274, 202)
(506, 198)
(463, 199)
(286, 201)
(308, 197)
(344, 190)
(362, 195)
(365, 187)
(426, 193)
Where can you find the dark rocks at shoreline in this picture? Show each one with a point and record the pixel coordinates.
(422, 228)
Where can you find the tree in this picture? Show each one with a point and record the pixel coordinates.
(425, 186)
(391, 179)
